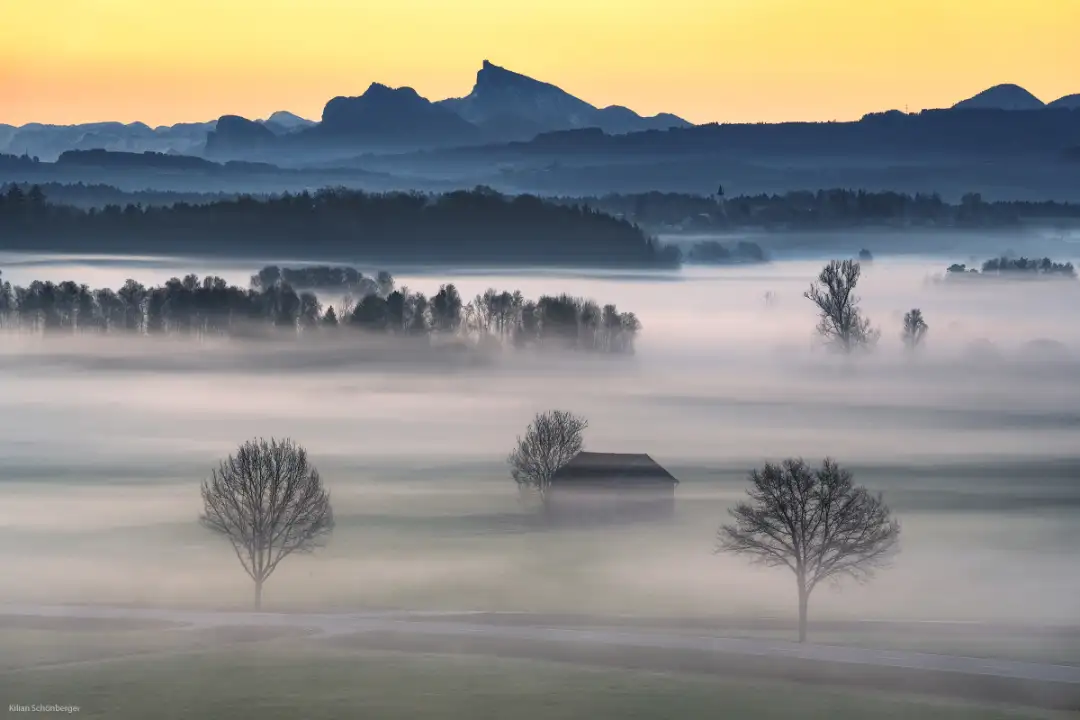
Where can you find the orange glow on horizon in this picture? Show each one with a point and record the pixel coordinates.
(173, 61)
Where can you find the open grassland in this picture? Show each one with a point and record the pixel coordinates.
(267, 676)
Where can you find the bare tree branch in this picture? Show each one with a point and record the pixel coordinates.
(268, 501)
(841, 324)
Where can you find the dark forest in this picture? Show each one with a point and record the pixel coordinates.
(478, 227)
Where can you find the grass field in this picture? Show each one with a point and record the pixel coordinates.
(142, 672)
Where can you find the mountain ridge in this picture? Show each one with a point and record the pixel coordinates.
(509, 105)
(502, 106)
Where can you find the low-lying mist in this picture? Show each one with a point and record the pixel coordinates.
(105, 441)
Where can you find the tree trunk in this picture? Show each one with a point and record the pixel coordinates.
(804, 596)
(258, 594)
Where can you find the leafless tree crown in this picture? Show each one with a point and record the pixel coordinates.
(841, 323)
(269, 502)
(550, 442)
(817, 523)
(915, 329)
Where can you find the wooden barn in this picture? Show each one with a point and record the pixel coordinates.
(612, 487)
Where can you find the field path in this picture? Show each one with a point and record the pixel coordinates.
(459, 626)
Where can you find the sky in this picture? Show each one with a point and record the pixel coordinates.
(167, 61)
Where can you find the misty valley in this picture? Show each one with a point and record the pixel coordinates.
(108, 437)
(129, 381)
(480, 399)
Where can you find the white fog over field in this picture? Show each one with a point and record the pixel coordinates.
(106, 439)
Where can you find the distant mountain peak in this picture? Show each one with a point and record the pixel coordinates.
(1007, 96)
(491, 73)
(515, 106)
(400, 114)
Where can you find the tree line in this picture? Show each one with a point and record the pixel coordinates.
(1014, 267)
(711, 252)
(478, 226)
(829, 208)
(88, 195)
(210, 306)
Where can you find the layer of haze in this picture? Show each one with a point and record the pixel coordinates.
(104, 442)
(707, 60)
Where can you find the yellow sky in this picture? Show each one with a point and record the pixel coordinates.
(164, 61)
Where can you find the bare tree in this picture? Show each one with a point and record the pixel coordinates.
(551, 440)
(269, 502)
(915, 329)
(816, 523)
(345, 308)
(841, 323)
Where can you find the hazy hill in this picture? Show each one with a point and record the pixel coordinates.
(965, 133)
(138, 172)
(395, 116)
(1002, 154)
(509, 105)
(234, 133)
(1071, 102)
(285, 121)
(152, 160)
(48, 141)
(1002, 97)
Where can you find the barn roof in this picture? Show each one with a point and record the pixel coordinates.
(613, 466)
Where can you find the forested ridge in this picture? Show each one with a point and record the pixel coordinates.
(832, 208)
(478, 227)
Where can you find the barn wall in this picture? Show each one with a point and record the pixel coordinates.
(612, 504)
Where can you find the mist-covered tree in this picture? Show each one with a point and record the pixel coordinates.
(815, 522)
(915, 329)
(269, 502)
(551, 440)
(841, 324)
(446, 309)
(385, 281)
(309, 311)
(7, 300)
